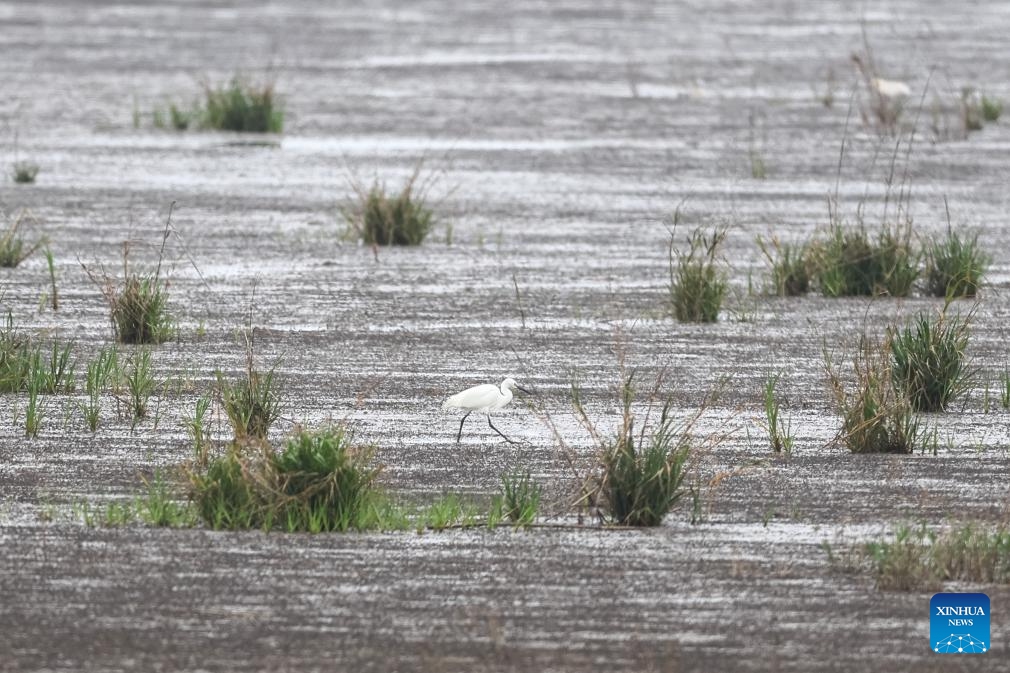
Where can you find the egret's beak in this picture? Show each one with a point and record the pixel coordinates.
(519, 387)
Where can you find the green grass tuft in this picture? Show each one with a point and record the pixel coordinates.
(24, 172)
(779, 431)
(642, 475)
(140, 383)
(252, 403)
(319, 482)
(791, 268)
(928, 360)
(100, 372)
(992, 108)
(919, 558)
(876, 418)
(242, 106)
(392, 219)
(13, 248)
(140, 310)
(324, 481)
(160, 505)
(955, 266)
(697, 287)
(520, 499)
(850, 264)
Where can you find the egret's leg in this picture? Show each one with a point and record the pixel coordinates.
(460, 433)
(499, 431)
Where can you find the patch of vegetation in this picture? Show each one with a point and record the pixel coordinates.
(641, 472)
(14, 357)
(850, 264)
(920, 558)
(928, 360)
(320, 481)
(13, 249)
(241, 106)
(174, 117)
(35, 411)
(520, 498)
(159, 505)
(697, 286)
(791, 266)
(380, 218)
(140, 383)
(51, 264)
(138, 307)
(99, 373)
(876, 417)
(779, 431)
(24, 172)
(253, 403)
(54, 368)
(992, 108)
(955, 266)
(448, 511)
(140, 310)
(25, 365)
(199, 433)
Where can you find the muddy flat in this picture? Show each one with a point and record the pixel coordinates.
(559, 139)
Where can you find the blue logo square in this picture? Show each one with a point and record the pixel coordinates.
(959, 623)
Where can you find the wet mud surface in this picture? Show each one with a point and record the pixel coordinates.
(563, 136)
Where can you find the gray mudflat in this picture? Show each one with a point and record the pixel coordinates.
(563, 135)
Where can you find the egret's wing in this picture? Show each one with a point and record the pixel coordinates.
(478, 397)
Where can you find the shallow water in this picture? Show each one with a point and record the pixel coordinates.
(562, 138)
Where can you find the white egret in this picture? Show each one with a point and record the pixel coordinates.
(891, 89)
(485, 398)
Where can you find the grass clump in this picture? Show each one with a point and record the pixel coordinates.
(380, 218)
(697, 286)
(642, 477)
(138, 305)
(520, 498)
(100, 372)
(140, 384)
(849, 263)
(199, 433)
(955, 266)
(641, 471)
(323, 480)
(876, 417)
(174, 116)
(25, 365)
(791, 267)
(919, 558)
(779, 430)
(253, 403)
(160, 505)
(139, 310)
(446, 512)
(52, 369)
(13, 248)
(992, 108)
(15, 357)
(928, 360)
(242, 106)
(24, 172)
(319, 482)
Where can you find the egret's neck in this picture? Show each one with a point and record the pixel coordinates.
(506, 393)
